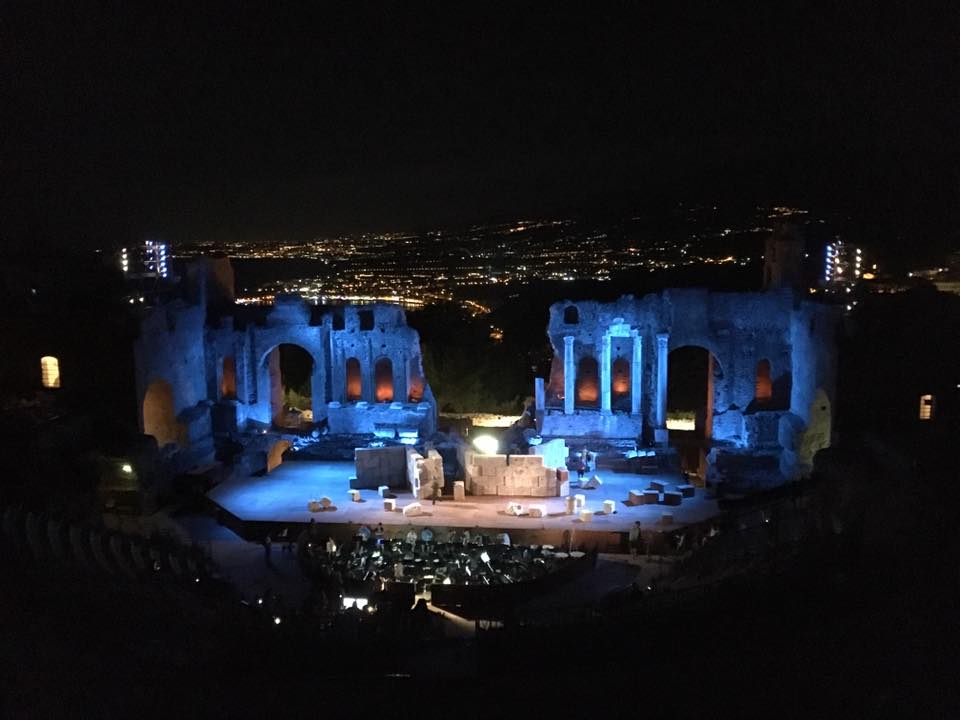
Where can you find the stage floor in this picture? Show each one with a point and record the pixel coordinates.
(281, 497)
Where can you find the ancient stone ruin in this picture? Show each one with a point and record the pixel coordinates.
(206, 366)
(762, 380)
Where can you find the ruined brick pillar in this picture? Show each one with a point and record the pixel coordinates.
(662, 340)
(569, 375)
(636, 372)
(605, 374)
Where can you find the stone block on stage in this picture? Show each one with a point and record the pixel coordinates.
(635, 497)
(571, 503)
(314, 506)
(412, 510)
(459, 491)
(383, 490)
(563, 489)
(390, 504)
(354, 495)
(688, 491)
(656, 485)
(593, 483)
(651, 497)
(609, 507)
(537, 511)
(586, 515)
(671, 497)
(326, 503)
(579, 502)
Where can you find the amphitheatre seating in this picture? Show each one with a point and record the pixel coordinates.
(35, 536)
(96, 549)
(116, 549)
(137, 555)
(55, 539)
(79, 546)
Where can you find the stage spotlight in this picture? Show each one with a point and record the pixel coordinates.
(486, 444)
(127, 468)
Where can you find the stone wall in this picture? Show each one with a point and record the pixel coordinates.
(185, 344)
(739, 330)
(423, 473)
(554, 452)
(516, 475)
(380, 466)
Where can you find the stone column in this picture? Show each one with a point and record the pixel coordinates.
(605, 374)
(538, 394)
(662, 340)
(569, 375)
(636, 373)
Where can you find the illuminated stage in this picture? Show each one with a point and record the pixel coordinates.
(280, 499)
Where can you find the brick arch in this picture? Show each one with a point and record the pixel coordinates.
(353, 383)
(587, 390)
(383, 379)
(159, 416)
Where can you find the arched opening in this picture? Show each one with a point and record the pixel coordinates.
(588, 382)
(159, 418)
(620, 383)
(764, 385)
(571, 316)
(291, 385)
(691, 371)
(354, 383)
(275, 456)
(415, 381)
(50, 371)
(383, 380)
(819, 429)
(366, 319)
(228, 379)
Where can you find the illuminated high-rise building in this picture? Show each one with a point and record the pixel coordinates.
(150, 260)
(842, 264)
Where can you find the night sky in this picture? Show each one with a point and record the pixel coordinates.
(216, 121)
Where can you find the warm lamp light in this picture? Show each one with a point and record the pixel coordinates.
(486, 444)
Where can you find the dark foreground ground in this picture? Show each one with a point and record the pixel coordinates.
(824, 632)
